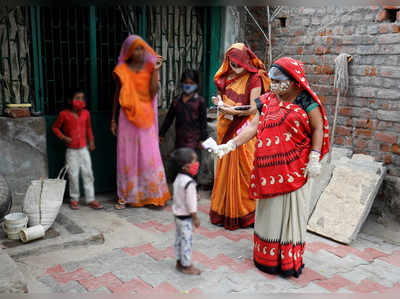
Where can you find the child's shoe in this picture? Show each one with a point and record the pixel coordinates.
(74, 205)
(95, 205)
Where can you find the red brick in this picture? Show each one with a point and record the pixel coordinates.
(370, 254)
(385, 137)
(78, 274)
(163, 288)
(327, 70)
(195, 291)
(334, 283)
(204, 208)
(364, 132)
(136, 284)
(299, 50)
(393, 259)
(342, 250)
(159, 255)
(138, 249)
(307, 276)
(396, 149)
(339, 140)
(108, 280)
(367, 286)
(384, 147)
(317, 246)
(395, 28)
(364, 123)
(346, 111)
(387, 159)
(200, 257)
(55, 269)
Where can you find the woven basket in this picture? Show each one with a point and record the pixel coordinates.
(43, 200)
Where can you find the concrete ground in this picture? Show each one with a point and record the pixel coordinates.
(137, 257)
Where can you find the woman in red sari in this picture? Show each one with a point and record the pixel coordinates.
(240, 80)
(292, 136)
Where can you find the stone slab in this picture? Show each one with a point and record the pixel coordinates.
(69, 232)
(319, 183)
(347, 200)
(11, 279)
(23, 153)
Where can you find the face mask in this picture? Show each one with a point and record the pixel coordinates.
(237, 70)
(280, 88)
(78, 105)
(189, 88)
(194, 168)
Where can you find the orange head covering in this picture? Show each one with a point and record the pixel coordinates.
(240, 54)
(134, 97)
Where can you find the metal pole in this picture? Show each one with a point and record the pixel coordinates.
(269, 38)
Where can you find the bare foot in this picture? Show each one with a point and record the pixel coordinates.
(191, 270)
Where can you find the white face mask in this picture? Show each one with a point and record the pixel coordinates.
(237, 70)
(280, 87)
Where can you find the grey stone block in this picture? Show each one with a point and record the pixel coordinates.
(24, 153)
(346, 202)
(318, 184)
(11, 279)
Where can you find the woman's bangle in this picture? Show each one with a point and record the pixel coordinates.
(113, 121)
(317, 151)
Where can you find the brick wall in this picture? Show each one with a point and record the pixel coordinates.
(369, 116)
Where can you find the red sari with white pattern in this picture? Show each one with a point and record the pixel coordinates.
(278, 180)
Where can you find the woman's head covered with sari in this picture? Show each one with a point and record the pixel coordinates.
(242, 56)
(134, 95)
(287, 68)
(129, 46)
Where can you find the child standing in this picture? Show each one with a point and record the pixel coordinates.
(190, 113)
(73, 127)
(185, 207)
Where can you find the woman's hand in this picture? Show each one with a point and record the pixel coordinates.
(229, 110)
(158, 63)
(224, 149)
(114, 128)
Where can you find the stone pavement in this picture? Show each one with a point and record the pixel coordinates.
(140, 259)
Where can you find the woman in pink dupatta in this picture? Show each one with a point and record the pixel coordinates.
(140, 172)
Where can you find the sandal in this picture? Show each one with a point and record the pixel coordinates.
(74, 205)
(95, 205)
(120, 206)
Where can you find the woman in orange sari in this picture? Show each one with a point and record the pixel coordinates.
(240, 80)
(140, 171)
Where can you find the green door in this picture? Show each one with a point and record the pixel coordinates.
(79, 47)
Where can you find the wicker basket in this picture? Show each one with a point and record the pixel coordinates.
(43, 200)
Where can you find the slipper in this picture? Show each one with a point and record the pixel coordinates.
(95, 205)
(119, 206)
(74, 205)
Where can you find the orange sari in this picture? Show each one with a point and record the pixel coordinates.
(231, 203)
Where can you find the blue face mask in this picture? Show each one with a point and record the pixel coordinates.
(189, 88)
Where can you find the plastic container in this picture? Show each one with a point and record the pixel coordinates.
(31, 233)
(13, 224)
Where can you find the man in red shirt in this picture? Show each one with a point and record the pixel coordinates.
(74, 129)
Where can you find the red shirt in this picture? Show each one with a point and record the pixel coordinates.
(76, 127)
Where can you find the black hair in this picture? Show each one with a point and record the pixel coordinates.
(70, 95)
(190, 74)
(180, 158)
